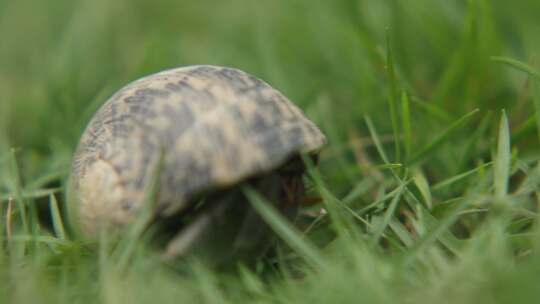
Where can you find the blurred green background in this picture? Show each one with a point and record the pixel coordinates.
(345, 62)
(59, 60)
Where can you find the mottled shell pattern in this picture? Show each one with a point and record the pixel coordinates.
(210, 127)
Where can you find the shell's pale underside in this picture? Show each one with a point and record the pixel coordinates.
(210, 127)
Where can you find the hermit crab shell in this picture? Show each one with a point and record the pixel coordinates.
(209, 127)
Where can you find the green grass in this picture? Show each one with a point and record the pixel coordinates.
(430, 181)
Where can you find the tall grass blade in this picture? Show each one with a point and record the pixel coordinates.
(388, 214)
(381, 200)
(33, 194)
(285, 230)
(393, 97)
(17, 189)
(332, 203)
(536, 101)
(439, 231)
(403, 234)
(534, 73)
(501, 172)
(517, 65)
(376, 140)
(431, 109)
(473, 142)
(454, 179)
(9, 220)
(58, 225)
(422, 184)
(406, 123)
(430, 147)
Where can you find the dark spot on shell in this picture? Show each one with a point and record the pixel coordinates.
(135, 108)
(171, 86)
(269, 109)
(116, 119)
(236, 114)
(207, 99)
(126, 206)
(202, 71)
(121, 129)
(145, 95)
(258, 123)
(241, 82)
(217, 136)
(179, 121)
(272, 144)
(256, 81)
(233, 76)
(178, 86)
(203, 97)
(294, 137)
(188, 178)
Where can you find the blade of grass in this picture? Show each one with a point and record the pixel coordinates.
(31, 194)
(534, 73)
(428, 221)
(531, 182)
(460, 61)
(386, 197)
(501, 172)
(403, 234)
(517, 65)
(536, 101)
(21, 205)
(43, 180)
(9, 220)
(437, 231)
(376, 140)
(43, 239)
(445, 237)
(58, 226)
(358, 190)
(388, 166)
(406, 122)
(381, 167)
(388, 214)
(332, 203)
(454, 179)
(208, 284)
(251, 281)
(431, 109)
(523, 131)
(371, 227)
(393, 96)
(473, 142)
(422, 184)
(423, 152)
(284, 229)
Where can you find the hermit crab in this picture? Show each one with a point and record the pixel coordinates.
(209, 130)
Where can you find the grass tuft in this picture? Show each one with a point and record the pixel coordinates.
(502, 161)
